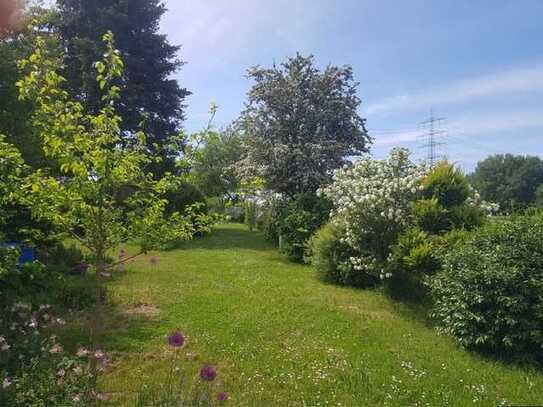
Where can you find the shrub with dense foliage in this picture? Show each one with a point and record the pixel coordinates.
(489, 294)
(449, 202)
(331, 257)
(182, 195)
(447, 184)
(394, 214)
(291, 223)
(412, 259)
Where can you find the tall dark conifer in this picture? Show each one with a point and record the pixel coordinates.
(148, 91)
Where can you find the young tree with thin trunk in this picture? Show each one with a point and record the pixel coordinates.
(103, 196)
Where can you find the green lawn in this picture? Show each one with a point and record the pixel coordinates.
(280, 337)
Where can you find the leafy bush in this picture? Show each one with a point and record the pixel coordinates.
(330, 256)
(30, 282)
(467, 217)
(431, 217)
(292, 223)
(489, 294)
(450, 202)
(34, 369)
(61, 258)
(412, 259)
(36, 284)
(183, 196)
(447, 184)
(199, 220)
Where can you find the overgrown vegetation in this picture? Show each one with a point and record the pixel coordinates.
(100, 187)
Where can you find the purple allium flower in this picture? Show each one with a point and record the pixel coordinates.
(208, 373)
(153, 260)
(176, 339)
(222, 397)
(83, 267)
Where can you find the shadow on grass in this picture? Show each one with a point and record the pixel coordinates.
(227, 237)
(118, 330)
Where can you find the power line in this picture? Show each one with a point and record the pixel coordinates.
(433, 138)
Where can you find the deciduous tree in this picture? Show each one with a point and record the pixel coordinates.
(300, 123)
(509, 180)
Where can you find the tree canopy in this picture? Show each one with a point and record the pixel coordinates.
(214, 169)
(509, 180)
(104, 195)
(300, 123)
(15, 114)
(149, 93)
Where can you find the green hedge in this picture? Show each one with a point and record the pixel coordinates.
(489, 294)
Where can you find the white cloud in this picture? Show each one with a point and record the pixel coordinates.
(470, 126)
(513, 81)
(390, 139)
(213, 31)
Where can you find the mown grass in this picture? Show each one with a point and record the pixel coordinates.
(280, 337)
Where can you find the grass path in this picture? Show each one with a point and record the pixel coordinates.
(280, 337)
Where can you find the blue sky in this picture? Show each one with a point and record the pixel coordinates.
(478, 63)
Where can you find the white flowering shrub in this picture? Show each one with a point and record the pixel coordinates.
(475, 200)
(373, 199)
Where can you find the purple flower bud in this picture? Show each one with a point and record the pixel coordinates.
(83, 267)
(208, 373)
(176, 339)
(222, 397)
